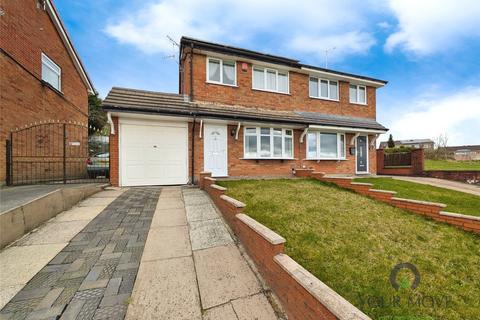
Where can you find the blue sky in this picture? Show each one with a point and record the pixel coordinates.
(428, 50)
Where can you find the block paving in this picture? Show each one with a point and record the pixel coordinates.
(94, 275)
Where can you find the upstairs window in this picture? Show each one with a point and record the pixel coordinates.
(51, 72)
(266, 142)
(358, 94)
(270, 80)
(323, 88)
(221, 72)
(325, 146)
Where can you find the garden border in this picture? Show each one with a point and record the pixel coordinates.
(303, 296)
(430, 209)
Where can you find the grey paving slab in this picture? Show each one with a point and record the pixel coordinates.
(53, 232)
(223, 312)
(169, 218)
(84, 269)
(253, 307)
(108, 194)
(80, 213)
(201, 212)
(197, 199)
(167, 242)
(165, 289)
(223, 275)
(209, 233)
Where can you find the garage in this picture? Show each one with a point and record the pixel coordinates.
(153, 152)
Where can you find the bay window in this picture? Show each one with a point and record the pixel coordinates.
(221, 71)
(325, 145)
(266, 142)
(323, 88)
(358, 94)
(270, 80)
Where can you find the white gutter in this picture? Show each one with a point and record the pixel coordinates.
(342, 129)
(345, 77)
(110, 122)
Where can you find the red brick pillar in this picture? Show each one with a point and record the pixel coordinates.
(380, 161)
(418, 160)
(114, 160)
(201, 180)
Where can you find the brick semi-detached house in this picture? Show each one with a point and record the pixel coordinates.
(243, 113)
(41, 75)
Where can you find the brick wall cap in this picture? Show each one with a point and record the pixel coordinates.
(383, 191)
(458, 215)
(232, 201)
(361, 184)
(334, 302)
(421, 202)
(318, 172)
(337, 177)
(210, 179)
(216, 186)
(205, 172)
(266, 233)
(304, 169)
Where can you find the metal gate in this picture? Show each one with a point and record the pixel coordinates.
(57, 152)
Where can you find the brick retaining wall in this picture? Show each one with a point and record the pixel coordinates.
(303, 296)
(430, 209)
(471, 176)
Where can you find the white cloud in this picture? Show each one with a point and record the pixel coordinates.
(457, 115)
(430, 26)
(237, 22)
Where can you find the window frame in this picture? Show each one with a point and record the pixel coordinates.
(277, 71)
(46, 60)
(358, 94)
(271, 135)
(319, 83)
(221, 72)
(318, 135)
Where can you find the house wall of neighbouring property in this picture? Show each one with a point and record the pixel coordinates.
(244, 95)
(25, 32)
(238, 167)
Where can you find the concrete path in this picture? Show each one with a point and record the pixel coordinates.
(94, 265)
(11, 197)
(447, 184)
(191, 267)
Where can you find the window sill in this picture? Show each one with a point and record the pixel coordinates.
(326, 99)
(222, 84)
(358, 103)
(266, 158)
(325, 159)
(48, 85)
(270, 91)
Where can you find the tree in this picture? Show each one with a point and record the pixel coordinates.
(391, 143)
(97, 118)
(441, 143)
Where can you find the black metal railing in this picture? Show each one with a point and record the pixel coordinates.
(398, 159)
(57, 152)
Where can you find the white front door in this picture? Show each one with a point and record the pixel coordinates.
(215, 150)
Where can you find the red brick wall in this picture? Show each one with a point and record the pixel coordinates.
(415, 169)
(298, 99)
(25, 32)
(114, 155)
(238, 167)
(472, 176)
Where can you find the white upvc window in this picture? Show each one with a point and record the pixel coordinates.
(325, 146)
(221, 71)
(51, 72)
(358, 94)
(323, 88)
(270, 80)
(268, 143)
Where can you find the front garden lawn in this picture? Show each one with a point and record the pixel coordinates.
(352, 242)
(456, 201)
(451, 165)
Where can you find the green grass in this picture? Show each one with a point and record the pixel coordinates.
(456, 201)
(451, 165)
(351, 243)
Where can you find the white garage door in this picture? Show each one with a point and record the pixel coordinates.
(153, 153)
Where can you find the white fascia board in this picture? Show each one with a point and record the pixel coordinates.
(335, 76)
(345, 129)
(68, 44)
